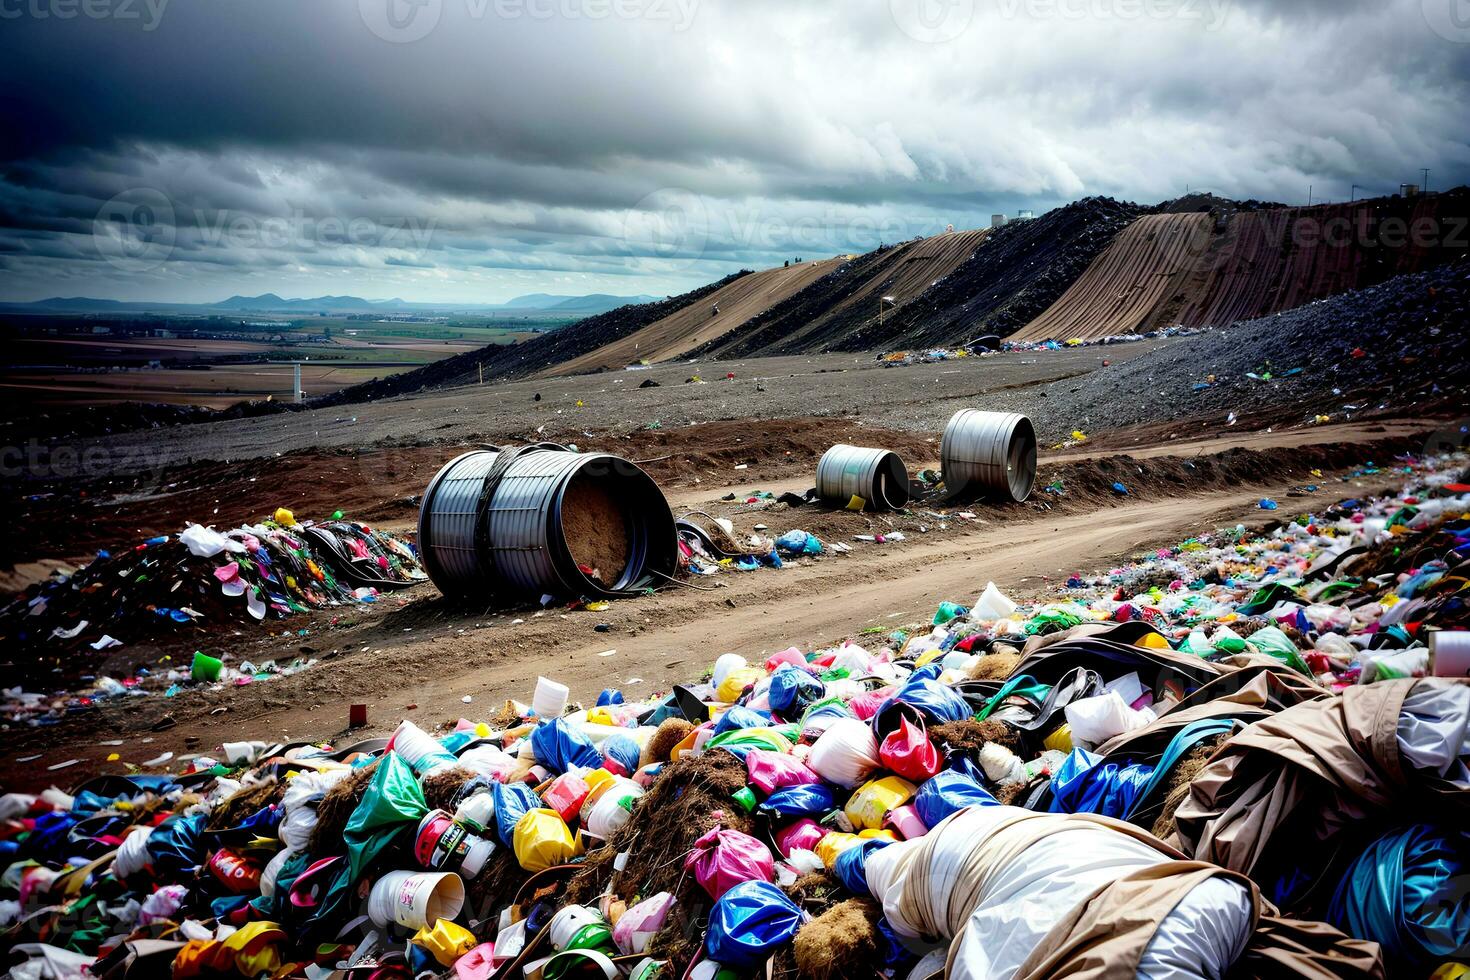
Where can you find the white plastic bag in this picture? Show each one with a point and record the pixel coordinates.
(845, 753)
(1095, 720)
(992, 605)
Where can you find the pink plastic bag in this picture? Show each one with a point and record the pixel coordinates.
(788, 656)
(800, 836)
(905, 822)
(770, 771)
(722, 859)
(907, 752)
(639, 923)
(865, 706)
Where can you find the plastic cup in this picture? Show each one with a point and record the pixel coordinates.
(419, 749)
(550, 699)
(415, 900)
(206, 668)
(906, 822)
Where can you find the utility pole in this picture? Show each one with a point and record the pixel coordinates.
(1424, 184)
(1353, 195)
(481, 366)
(1309, 195)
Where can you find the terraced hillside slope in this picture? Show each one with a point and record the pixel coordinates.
(1198, 270)
(1015, 273)
(846, 302)
(697, 324)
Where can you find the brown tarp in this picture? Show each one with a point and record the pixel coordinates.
(1328, 764)
(1105, 936)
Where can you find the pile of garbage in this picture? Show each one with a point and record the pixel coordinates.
(1230, 756)
(932, 355)
(709, 545)
(176, 585)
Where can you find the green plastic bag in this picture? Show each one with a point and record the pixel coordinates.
(392, 804)
(1274, 643)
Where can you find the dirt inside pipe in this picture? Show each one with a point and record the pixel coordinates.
(595, 528)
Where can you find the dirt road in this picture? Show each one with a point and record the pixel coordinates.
(421, 659)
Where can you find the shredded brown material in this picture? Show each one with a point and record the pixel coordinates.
(1179, 780)
(336, 809)
(994, 667)
(970, 736)
(669, 734)
(441, 788)
(246, 801)
(841, 942)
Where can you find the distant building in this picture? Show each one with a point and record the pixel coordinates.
(997, 221)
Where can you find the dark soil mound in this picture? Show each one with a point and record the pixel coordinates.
(1016, 273)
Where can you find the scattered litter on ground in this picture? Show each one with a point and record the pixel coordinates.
(1261, 700)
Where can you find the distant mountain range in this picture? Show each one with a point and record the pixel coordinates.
(530, 304)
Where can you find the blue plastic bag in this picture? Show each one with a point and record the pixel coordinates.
(741, 717)
(1407, 891)
(1084, 783)
(749, 922)
(813, 800)
(560, 746)
(793, 689)
(851, 865)
(511, 803)
(921, 697)
(623, 751)
(176, 846)
(798, 543)
(948, 792)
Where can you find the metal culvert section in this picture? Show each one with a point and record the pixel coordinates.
(522, 535)
(991, 454)
(876, 475)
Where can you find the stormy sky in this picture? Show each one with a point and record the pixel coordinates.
(474, 150)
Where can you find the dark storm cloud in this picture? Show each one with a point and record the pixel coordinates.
(521, 145)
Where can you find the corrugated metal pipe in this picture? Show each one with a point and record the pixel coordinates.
(541, 519)
(877, 477)
(989, 454)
